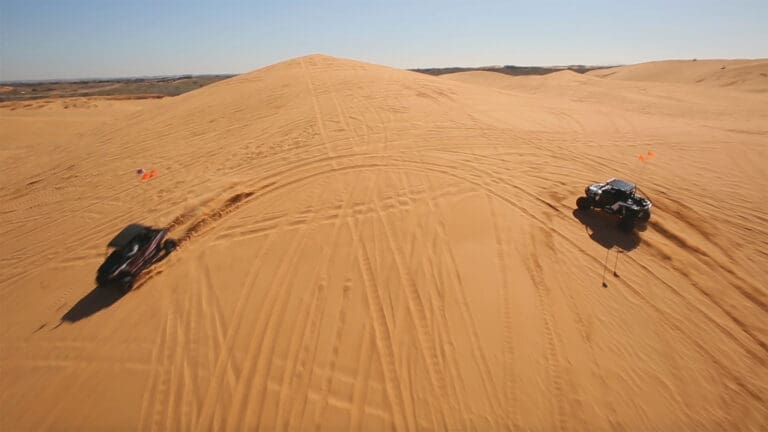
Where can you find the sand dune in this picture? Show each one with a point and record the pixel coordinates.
(743, 75)
(366, 248)
(509, 82)
(35, 135)
(715, 107)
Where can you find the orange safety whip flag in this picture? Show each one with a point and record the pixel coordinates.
(147, 175)
(647, 156)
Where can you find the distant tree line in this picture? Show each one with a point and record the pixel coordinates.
(510, 69)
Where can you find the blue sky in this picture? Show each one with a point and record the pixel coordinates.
(106, 38)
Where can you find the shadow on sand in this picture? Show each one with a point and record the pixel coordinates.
(103, 297)
(603, 230)
(99, 298)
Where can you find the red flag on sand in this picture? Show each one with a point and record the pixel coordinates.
(149, 175)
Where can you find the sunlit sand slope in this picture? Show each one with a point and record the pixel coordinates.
(365, 248)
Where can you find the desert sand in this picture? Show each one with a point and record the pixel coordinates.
(367, 248)
(745, 75)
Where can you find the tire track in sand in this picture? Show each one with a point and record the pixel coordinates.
(510, 380)
(258, 359)
(447, 170)
(403, 418)
(433, 320)
(160, 404)
(179, 403)
(573, 306)
(479, 355)
(316, 107)
(205, 421)
(149, 389)
(344, 213)
(360, 390)
(217, 327)
(554, 363)
(325, 387)
(415, 305)
(384, 343)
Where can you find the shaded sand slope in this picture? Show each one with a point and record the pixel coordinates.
(743, 75)
(366, 248)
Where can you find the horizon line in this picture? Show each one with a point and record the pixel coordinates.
(415, 69)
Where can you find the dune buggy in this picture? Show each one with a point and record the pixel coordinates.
(133, 250)
(617, 197)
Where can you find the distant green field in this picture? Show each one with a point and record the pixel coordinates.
(129, 88)
(146, 88)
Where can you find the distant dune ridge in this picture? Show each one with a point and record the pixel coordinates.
(367, 248)
(746, 75)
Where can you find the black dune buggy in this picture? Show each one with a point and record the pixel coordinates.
(135, 248)
(617, 197)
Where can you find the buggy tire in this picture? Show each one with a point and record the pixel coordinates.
(170, 245)
(627, 224)
(125, 284)
(583, 203)
(644, 216)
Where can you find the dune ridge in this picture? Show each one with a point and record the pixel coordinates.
(742, 75)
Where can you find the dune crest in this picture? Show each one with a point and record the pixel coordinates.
(742, 75)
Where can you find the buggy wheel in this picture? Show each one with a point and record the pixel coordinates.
(170, 245)
(644, 216)
(125, 284)
(583, 203)
(627, 224)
